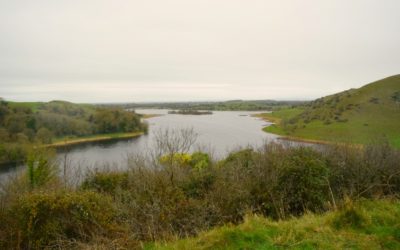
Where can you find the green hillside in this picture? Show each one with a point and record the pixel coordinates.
(356, 115)
(368, 225)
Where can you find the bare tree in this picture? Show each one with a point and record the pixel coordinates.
(173, 141)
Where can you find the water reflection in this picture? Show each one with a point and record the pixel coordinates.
(218, 133)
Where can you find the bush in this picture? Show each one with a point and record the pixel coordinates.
(176, 159)
(45, 217)
(200, 161)
(163, 201)
(106, 182)
(303, 182)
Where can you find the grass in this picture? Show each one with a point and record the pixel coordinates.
(358, 116)
(364, 225)
(277, 116)
(34, 106)
(64, 141)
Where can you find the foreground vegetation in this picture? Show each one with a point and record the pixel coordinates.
(353, 116)
(23, 125)
(174, 194)
(363, 225)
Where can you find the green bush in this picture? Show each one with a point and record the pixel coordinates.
(200, 161)
(106, 182)
(45, 217)
(303, 181)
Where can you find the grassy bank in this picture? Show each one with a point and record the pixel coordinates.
(66, 141)
(359, 116)
(365, 225)
(276, 118)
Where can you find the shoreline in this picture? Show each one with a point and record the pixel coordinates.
(276, 120)
(100, 137)
(148, 116)
(95, 138)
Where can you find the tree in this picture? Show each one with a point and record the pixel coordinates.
(40, 168)
(44, 135)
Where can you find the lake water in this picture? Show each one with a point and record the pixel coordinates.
(219, 133)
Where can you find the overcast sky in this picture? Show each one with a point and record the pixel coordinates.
(182, 50)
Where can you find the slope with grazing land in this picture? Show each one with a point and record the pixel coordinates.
(356, 116)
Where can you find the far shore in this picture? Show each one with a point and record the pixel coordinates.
(148, 116)
(95, 138)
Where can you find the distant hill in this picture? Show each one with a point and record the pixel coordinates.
(355, 115)
(242, 105)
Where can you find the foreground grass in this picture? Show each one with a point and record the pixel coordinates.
(65, 141)
(365, 225)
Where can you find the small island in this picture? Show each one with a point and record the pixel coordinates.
(189, 112)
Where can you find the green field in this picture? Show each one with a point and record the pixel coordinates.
(366, 225)
(358, 116)
(34, 106)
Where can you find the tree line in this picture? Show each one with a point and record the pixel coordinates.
(40, 123)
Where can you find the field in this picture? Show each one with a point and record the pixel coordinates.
(34, 106)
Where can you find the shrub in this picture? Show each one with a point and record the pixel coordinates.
(200, 161)
(106, 181)
(303, 182)
(40, 168)
(176, 159)
(45, 217)
(242, 157)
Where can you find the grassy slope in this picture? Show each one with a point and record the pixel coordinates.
(368, 225)
(366, 120)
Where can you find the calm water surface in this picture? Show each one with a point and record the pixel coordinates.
(218, 133)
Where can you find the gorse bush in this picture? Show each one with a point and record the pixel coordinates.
(180, 194)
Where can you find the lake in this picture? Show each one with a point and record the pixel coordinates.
(219, 133)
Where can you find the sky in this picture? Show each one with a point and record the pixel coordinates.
(194, 50)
